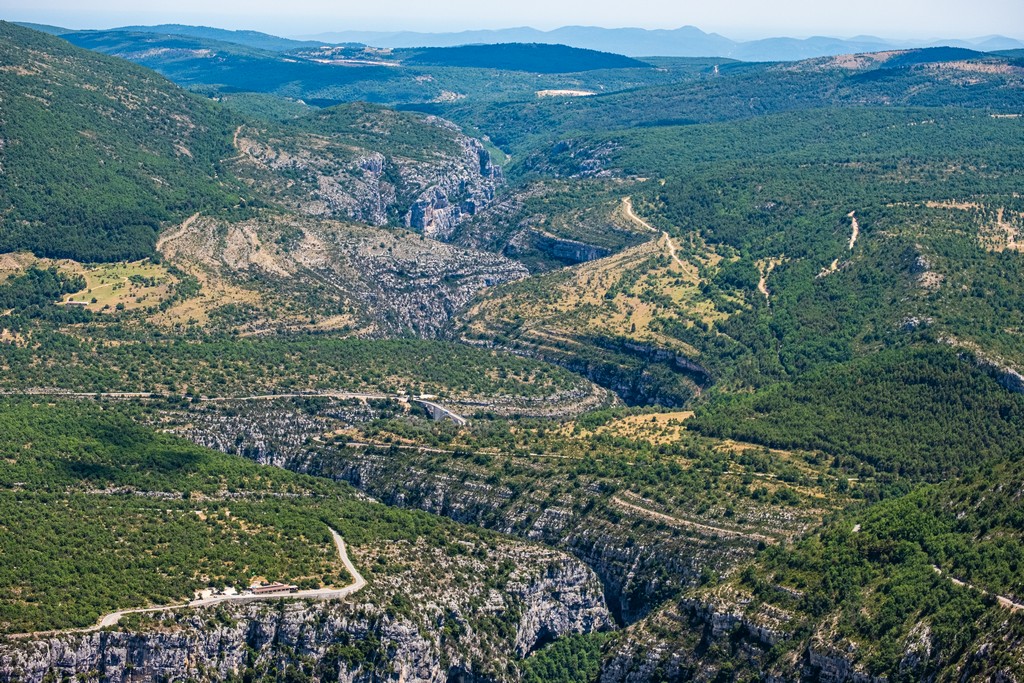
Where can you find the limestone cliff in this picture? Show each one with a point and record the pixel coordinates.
(375, 166)
(408, 626)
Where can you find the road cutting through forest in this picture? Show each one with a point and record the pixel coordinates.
(112, 619)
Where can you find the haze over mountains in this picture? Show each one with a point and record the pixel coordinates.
(687, 41)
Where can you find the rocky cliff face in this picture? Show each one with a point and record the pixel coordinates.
(704, 640)
(348, 177)
(464, 186)
(638, 374)
(433, 634)
(238, 640)
(539, 225)
(636, 576)
(381, 281)
(714, 636)
(560, 249)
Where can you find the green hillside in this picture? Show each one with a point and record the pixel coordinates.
(778, 192)
(216, 64)
(744, 91)
(535, 58)
(254, 39)
(153, 518)
(914, 412)
(745, 339)
(909, 587)
(99, 153)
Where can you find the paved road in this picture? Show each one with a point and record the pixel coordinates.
(112, 619)
(439, 412)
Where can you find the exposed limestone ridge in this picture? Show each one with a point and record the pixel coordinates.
(553, 594)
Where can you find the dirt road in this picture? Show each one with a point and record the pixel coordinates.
(627, 209)
(766, 269)
(1002, 600)
(856, 229)
(112, 619)
(687, 524)
(182, 229)
(434, 408)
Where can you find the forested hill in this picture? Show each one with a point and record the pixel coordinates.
(253, 39)
(535, 58)
(939, 77)
(97, 152)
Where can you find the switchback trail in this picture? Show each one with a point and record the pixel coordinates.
(766, 269)
(112, 619)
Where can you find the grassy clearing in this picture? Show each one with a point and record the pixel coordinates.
(128, 285)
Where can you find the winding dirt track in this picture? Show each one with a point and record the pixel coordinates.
(1002, 600)
(856, 229)
(762, 284)
(182, 229)
(112, 619)
(688, 524)
(338, 395)
(627, 209)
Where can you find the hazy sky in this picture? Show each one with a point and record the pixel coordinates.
(734, 18)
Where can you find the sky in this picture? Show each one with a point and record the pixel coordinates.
(738, 19)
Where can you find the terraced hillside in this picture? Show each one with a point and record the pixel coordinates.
(152, 518)
(805, 290)
(909, 587)
(713, 552)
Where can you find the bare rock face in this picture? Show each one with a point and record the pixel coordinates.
(379, 281)
(362, 193)
(195, 649)
(559, 601)
(827, 667)
(570, 251)
(344, 174)
(466, 187)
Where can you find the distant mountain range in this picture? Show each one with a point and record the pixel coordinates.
(688, 41)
